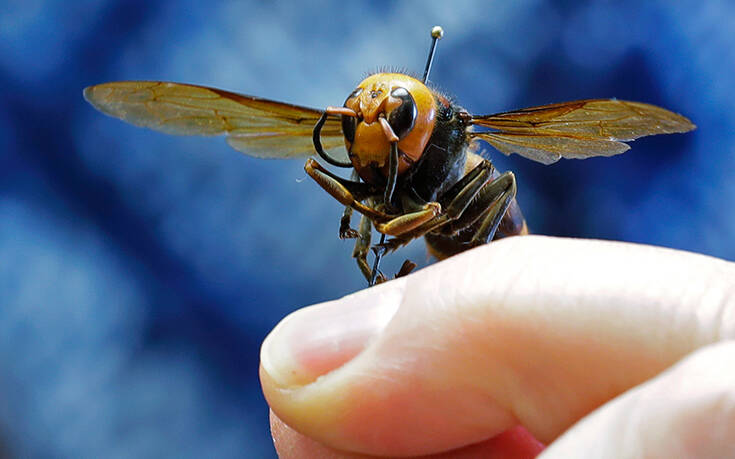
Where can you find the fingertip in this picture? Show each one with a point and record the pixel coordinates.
(397, 392)
(316, 340)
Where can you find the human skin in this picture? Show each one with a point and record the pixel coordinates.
(529, 331)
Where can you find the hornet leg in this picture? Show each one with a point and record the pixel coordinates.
(345, 232)
(466, 193)
(362, 247)
(346, 192)
(480, 221)
(500, 193)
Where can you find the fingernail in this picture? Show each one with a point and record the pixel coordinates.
(315, 340)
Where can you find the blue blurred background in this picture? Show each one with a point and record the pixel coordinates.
(139, 272)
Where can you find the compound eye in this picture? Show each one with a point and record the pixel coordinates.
(403, 117)
(352, 95)
(349, 123)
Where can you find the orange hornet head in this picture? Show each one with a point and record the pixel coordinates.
(409, 108)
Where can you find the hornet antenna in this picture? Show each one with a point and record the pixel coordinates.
(436, 33)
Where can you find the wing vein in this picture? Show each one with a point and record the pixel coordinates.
(256, 126)
(579, 129)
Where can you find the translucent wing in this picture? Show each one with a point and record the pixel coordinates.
(580, 129)
(258, 127)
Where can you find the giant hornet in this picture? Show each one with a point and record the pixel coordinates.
(412, 150)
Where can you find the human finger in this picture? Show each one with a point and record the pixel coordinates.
(531, 330)
(688, 411)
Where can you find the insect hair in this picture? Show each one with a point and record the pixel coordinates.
(403, 70)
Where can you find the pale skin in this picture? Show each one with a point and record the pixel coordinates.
(595, 348)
